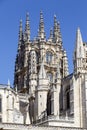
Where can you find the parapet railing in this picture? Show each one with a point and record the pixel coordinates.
(55, 118)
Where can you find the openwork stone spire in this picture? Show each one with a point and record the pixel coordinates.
(27, 29)
(41, 33)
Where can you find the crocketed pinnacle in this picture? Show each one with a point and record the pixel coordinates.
(20, 31)
(66, 68)
(41, 27)
(20, 40)
(55, 30)
(27, 29)
(79, 44)
(59, 33)
(51, 34)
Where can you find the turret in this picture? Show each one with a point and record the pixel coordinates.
(41, 32)
(27, 29)
(41, 92)
(32, 78)
(55, 92)
(10, 106)
(79, 53)
(32, 71)
(65, 64)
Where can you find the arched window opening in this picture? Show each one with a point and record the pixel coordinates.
(48, 103)
(49, 56)
(50, 76)
(37, 57)
(68, 98)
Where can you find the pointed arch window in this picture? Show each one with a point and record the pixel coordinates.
(68, 98)
(50, 76)
(49, 56)
(49, 103)
(37, 57)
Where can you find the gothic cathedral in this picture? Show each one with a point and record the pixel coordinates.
(44, 92)
(41, 72)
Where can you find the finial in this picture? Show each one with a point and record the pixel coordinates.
(16, 88)
(27, 16)
(55, 19)
(65, 54)
(8, 83)
(55, 23)
(78, 28)
(41, 16)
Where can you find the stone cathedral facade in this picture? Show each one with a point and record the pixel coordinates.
(44, 93)
(40, 65)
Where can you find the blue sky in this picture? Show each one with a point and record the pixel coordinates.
(70, 13)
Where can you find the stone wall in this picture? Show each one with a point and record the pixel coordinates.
(29, 127)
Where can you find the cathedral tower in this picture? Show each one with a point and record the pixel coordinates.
(40, 66)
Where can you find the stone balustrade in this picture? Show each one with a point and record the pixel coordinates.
(57, 118)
